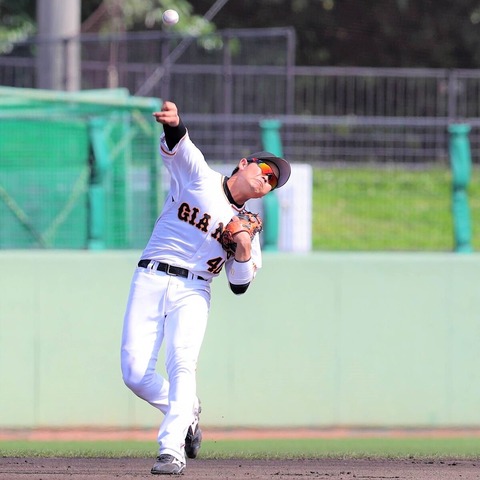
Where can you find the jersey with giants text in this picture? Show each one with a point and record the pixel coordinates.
(196, 209)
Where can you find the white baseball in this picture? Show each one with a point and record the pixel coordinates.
(170, 17)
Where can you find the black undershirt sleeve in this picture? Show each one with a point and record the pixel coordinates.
(174, 134)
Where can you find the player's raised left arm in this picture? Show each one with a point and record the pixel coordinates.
(168, 115)
(173, 127)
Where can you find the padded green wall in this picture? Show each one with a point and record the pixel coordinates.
(318, 340)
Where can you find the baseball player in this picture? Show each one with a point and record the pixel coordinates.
(169, 297)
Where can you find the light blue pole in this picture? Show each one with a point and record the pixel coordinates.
(461, 164)
(271, 206)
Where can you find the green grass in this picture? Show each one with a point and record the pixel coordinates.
(348, 447)
(387, 209)
(467, 447)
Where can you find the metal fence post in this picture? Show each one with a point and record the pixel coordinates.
(460, 160)
(96, 191)
(271, 206)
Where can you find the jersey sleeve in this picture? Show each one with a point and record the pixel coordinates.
(184, 162)
(256, 252)
(254, 264)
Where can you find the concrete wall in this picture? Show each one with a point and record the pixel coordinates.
(318, 340)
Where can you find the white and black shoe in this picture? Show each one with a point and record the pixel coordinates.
(193, 440)
(167, 465)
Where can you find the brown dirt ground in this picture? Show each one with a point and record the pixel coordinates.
(103, 468)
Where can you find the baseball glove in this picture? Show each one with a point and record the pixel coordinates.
(243, 222)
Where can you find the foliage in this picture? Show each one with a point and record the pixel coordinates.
(381, 209)
(390, 33)
(18, 16)
(16, 22)
(147, 14)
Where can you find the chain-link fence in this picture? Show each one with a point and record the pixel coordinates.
(243, 75)
(226, 83)
(77, 171)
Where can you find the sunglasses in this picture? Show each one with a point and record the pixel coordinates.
(266, 170)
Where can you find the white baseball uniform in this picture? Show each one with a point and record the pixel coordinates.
(173, 309)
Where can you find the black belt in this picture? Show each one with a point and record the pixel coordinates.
(170, 269)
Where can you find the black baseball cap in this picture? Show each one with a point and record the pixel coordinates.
(283, 166)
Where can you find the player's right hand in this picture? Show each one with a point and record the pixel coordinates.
(168, 115)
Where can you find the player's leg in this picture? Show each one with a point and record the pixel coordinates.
(185, 326)
(193, 439)
(143, 332)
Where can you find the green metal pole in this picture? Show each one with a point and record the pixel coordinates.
(156, 193)
(460, 160)
(96, 194)
(272, 143)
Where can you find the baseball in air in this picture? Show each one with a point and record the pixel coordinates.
(170, 17)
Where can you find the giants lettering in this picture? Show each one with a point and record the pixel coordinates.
(190, 215)
(218, 231)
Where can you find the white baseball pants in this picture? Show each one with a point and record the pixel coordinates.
(169, 310)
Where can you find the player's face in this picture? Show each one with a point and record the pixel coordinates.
(262, 177)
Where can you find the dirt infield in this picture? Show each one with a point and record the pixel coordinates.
(103, 469)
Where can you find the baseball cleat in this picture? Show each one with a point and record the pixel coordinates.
(193, 440)
(167, 465)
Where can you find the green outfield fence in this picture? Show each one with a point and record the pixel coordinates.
(77, 170)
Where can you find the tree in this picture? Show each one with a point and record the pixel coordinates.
(388, 33)
(137, 15)
(17, 22)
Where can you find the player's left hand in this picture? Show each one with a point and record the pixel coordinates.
(241, 229)
(168, 115)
